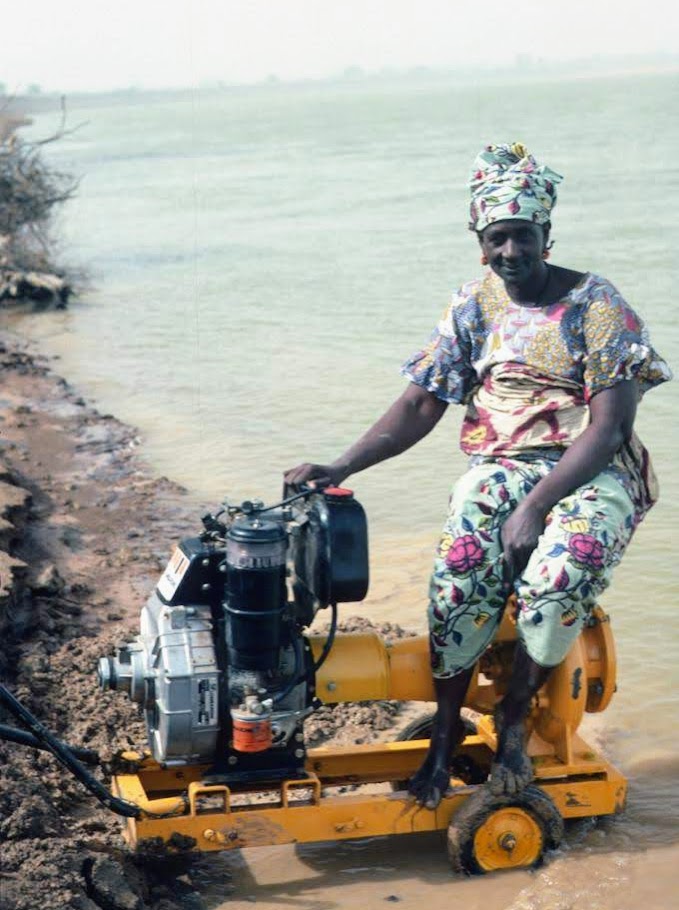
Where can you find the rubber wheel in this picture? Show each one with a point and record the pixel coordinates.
(420, 728)
(490, 832)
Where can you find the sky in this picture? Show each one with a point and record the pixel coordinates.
(81, 45)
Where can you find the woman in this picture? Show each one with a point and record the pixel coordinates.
(550, 364)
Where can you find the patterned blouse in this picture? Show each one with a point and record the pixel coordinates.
(527, 374)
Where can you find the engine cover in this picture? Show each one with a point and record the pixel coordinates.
(171, 671)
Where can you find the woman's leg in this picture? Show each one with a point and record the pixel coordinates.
(467, 598)
(429, 784)
(584, 538)
(512, 770)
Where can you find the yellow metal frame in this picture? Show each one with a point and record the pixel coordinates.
(311, 809)
(180, 810)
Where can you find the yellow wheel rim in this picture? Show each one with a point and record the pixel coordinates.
(508, 838)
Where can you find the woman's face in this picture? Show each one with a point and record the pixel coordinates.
(514, 249)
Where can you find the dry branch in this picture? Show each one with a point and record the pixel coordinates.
(30, 191)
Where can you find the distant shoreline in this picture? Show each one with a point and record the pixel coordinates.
(354, 78)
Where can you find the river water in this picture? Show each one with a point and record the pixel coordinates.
(262, 260)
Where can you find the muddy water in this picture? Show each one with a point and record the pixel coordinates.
(618, 863)
(262, 262)
(415, 874)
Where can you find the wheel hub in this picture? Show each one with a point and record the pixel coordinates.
(509, 837)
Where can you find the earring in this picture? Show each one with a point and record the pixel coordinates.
(545, 254)
(484, 260)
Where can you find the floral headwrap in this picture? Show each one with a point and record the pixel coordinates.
(507, 182)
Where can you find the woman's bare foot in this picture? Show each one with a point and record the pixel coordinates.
(512, 769)
(431, 781)
(430, 784)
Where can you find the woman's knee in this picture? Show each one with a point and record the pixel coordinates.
(455, 650)
(549, 628)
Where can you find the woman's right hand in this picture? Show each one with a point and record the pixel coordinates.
(321, 475)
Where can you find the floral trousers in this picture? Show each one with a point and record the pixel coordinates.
(584, 537)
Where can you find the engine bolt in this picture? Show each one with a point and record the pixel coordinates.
(299, 753)
(299, 737)
(233, 760)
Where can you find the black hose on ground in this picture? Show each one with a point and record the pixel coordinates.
(67, 758)
(23, 738)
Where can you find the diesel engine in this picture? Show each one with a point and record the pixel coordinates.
(222, 668)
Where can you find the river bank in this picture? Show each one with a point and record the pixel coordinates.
(74, 569)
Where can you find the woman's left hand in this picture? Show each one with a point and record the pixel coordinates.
(611, 418)
(519, 537)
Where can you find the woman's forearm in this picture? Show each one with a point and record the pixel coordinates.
(612, 414)
(414, 414)
(581, 462)
(411, 417)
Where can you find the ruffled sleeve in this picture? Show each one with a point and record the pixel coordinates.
(444, 365)
(617, 345)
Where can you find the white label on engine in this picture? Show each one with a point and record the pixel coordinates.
(206, 691)
(173, 574)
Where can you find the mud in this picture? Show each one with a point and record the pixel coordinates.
(84, 531)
